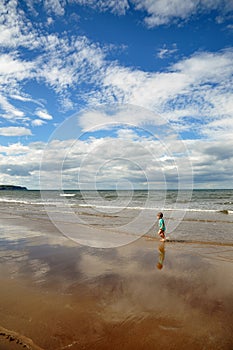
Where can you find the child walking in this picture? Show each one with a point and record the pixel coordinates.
(162, 227)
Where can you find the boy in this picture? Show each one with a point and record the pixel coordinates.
(162, 227)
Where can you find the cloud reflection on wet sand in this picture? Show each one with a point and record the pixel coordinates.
(66, 296)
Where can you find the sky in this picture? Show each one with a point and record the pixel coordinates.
(116, 93)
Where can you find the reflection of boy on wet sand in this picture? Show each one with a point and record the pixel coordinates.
(161, 255)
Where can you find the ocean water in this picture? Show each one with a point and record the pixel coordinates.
(200, 215)
(196, 200)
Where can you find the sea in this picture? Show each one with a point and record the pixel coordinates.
(190, 216)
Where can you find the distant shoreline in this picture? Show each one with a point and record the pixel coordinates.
(12, 188)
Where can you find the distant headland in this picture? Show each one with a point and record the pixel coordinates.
(12, 188)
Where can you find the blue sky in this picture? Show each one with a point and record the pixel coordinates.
(63, 58)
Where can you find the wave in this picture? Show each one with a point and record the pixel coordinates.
(224, 211)
(19, 201)
(67, 194)
(6, 200)
(60, 203)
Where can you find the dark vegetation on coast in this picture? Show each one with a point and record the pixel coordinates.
(12, 188)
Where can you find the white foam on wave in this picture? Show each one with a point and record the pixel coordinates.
(154, 208)
(19, 201)
(6, 200)
(67, 194)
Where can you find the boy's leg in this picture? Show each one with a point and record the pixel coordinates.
(162, 234)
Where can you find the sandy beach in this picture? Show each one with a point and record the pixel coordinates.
(58, 295)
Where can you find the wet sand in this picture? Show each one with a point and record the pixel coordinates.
(57, 295)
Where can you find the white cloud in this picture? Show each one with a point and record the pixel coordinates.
(102, 118)
(127, 134)
(141, 88)
(69, 61)
(38, 122)
(44, 115)
(158, 12)
(11, 111)
(165, 52)
(14, 149)
(16, 30)
(118, 7)
(63, 64)
(21, 98)
(219, 129)
(13, 72)
(204, 67)
(13, 69)
(55, 6)
(15, 131)
(200, 85)
(162, 12)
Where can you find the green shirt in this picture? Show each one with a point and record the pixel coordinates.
(162, 224)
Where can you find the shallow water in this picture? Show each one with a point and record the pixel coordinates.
(193, 223)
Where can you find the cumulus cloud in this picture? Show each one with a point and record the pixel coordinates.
(160, 12)
(200, 86)
(14, 149)
(15, 131)
(92, 161)
(163, 11)
(122, 159)
(105, 118)
(212, 163)
(18, 163)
